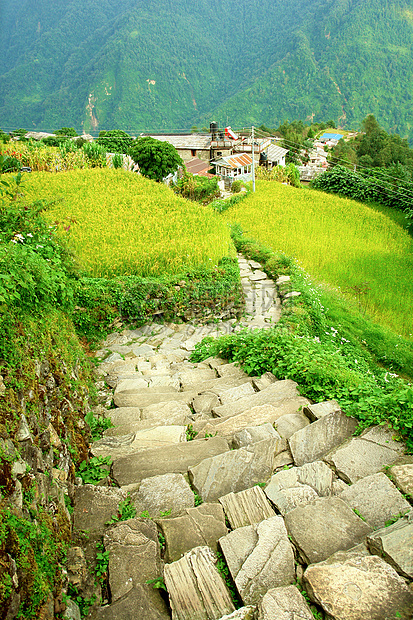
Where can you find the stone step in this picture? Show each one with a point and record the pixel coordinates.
(273, 394)
(144, 439)
(195, 587)
(133, 468)
(246, 507)
(153, 396)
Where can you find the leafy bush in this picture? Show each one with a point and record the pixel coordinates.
(201, 189)
(95, 153)
(369, 186)
(156, 159)
(236, 186)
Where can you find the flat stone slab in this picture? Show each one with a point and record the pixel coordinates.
(243, 613)
(395, 545)
(172, 412)
(144, 439)
(235, 393)
(195, 587)
(286, 500)
(260, 383)
(322, 527)
(356, 586)
(319, 410)
(289, 424)
(316, 475)
(403, 477)
(231, 370)
(200, 526)
(205, 402)
(233, 471)
(359, 458)
(124, 415)
(192, 377)
(246, 507)
(376, 499)
(142, 601)
(285, 603)
(165, 493)
(149, 396)
(271, 395)
(259, 558)
(176, 459)
(256, 416)
(134, 555)
(253, 434)
(94, 506)
(316, 440)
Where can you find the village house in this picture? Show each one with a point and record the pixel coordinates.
(234, 167)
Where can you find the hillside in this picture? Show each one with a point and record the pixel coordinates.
(240, 62)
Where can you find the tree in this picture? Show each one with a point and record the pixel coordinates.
(156, 159)
(67, 132)
(115, 141)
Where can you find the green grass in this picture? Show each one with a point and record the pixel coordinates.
(346, 244)
(126, 224)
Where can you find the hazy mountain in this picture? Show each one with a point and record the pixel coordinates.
(162, 65)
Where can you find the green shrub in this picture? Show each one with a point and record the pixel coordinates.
(95, 153)
(236, 186)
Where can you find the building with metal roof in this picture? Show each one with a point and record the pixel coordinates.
(233, 167)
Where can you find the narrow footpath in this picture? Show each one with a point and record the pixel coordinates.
(242, 493)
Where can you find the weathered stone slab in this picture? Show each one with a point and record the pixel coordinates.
(289, 424)
(134, 555)
(196, 589)
(285, 603)
(124, 415)
(316, 475)
(319, 410)
(142, 601)
(260, 383)
(168, 492)
(272, 395)
(259, 557)
(395, 545)
(253, 434)
(258, 275)
(233, 471)
(94, 506)
(324, 526)
(231, 370)
(355, 586)
(197, 527)
(383, 436)
(162, 380)
(359, 458)
(176, 459)
(142, 349)
(316, 440)
(246, 507)
(235, 393)
(205, 402)
(167, 412)
(376, 499)
(116, 446)
(194, 376)
(243, 613)
(150, 396)
(256, 416)
(286, 500)
(130, 386)
(403, 477)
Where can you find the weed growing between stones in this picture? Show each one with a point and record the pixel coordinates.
(223, 569)
(95, 469)
(126, 511)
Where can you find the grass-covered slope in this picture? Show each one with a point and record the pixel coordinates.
(346, 244)
(119, 223)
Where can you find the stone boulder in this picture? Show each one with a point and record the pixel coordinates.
(285, 603)
(165, 493)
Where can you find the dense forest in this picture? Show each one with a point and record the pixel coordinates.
(160, 65)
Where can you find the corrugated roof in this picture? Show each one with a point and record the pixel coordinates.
(198, 166)
(275, 152)
(186, 141)
(235, 161)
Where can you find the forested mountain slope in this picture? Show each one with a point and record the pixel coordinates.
(162, 65)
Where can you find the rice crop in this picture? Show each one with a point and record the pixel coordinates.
(120, 223)
(360, 250)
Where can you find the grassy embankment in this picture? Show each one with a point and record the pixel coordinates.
(360, 250)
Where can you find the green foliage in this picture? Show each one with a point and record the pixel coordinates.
(156, 159)
(102, 562)
(117, 161)
(95, 469)
(115, 141)
(67, 132)
(190, 433)
(36, 548)
(283, 174)
(224, 570)
(367, 187)
(236, 186)
(97, 424)
(9, 163)
(95, 153)
(158, 583)
(220, 206)
(198, 499)
(199, 188)
(126, 511)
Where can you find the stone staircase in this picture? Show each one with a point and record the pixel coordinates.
(237, 476)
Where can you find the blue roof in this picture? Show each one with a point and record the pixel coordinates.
(331, 136)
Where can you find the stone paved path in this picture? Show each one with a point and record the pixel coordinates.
(265, 483)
